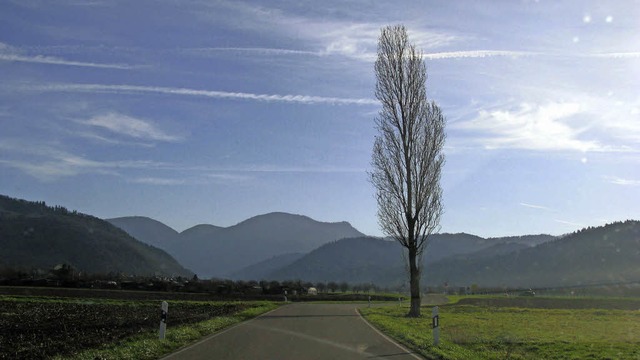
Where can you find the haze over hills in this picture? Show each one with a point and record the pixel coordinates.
(380, 261)
(602, 255)
(33, 235)
(442, 246)
(215, 251)
(263, 268)
(147, 230)
(354, 260)
(268, 246)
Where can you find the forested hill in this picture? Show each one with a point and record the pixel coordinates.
(607, 254)
(34, 235)
(596, 255)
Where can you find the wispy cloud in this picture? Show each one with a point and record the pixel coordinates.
(476, 54)
(46, 162)
(158, 181)
(569, 223)
(618, 55)
(533, 127)
(536, 206)
(197, 178)
(253, 50)
(130, 126)
(39, 59)
(359, 41)
(54, 168)
(621, 181)
(108, 140)
(12, 54)
(363, 48)
(228, 177)
(517, 54)
(348, 38)
(44, 171)
(134, 89)
(50, 162)
(289, 169)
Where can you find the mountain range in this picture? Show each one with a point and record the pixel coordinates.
(606, 254)
(281, 246)
(216, 251)
(380, 261)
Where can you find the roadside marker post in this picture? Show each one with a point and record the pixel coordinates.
(435, 323)
(369, 300)
(163, 319)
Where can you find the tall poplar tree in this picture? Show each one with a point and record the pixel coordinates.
(407, 155)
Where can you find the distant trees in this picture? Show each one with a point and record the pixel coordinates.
(322, 287)
(274, 284)
(407, 155)
(65, 275)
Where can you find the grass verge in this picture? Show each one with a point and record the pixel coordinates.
(491, 332)
(148, 346)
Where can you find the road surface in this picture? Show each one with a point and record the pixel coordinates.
(299, 331)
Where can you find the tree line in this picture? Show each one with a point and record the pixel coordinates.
(64, 275)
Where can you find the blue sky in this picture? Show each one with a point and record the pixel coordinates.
(215, 111)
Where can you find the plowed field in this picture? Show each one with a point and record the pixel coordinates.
(34, 328)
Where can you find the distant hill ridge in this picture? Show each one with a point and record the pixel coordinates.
(284, 246)
(147, 230)
(597, 255)
(34, 235)
(222, 251)
(606, 254)
(276, 245)
(380, 261)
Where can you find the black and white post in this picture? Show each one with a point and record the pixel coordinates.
(163, 319)
(435, 323)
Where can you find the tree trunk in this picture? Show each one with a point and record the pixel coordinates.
(414, 283)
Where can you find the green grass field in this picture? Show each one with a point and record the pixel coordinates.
(532, 328)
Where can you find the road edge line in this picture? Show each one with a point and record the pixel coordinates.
(211, 336)
(400, 346)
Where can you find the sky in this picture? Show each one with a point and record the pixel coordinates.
(194, 112)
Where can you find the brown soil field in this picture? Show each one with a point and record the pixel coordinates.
(36, 328)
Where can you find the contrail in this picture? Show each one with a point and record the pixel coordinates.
(57, 61)
(136, 89)
(475, 54)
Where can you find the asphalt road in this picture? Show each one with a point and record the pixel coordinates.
(299, 331)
